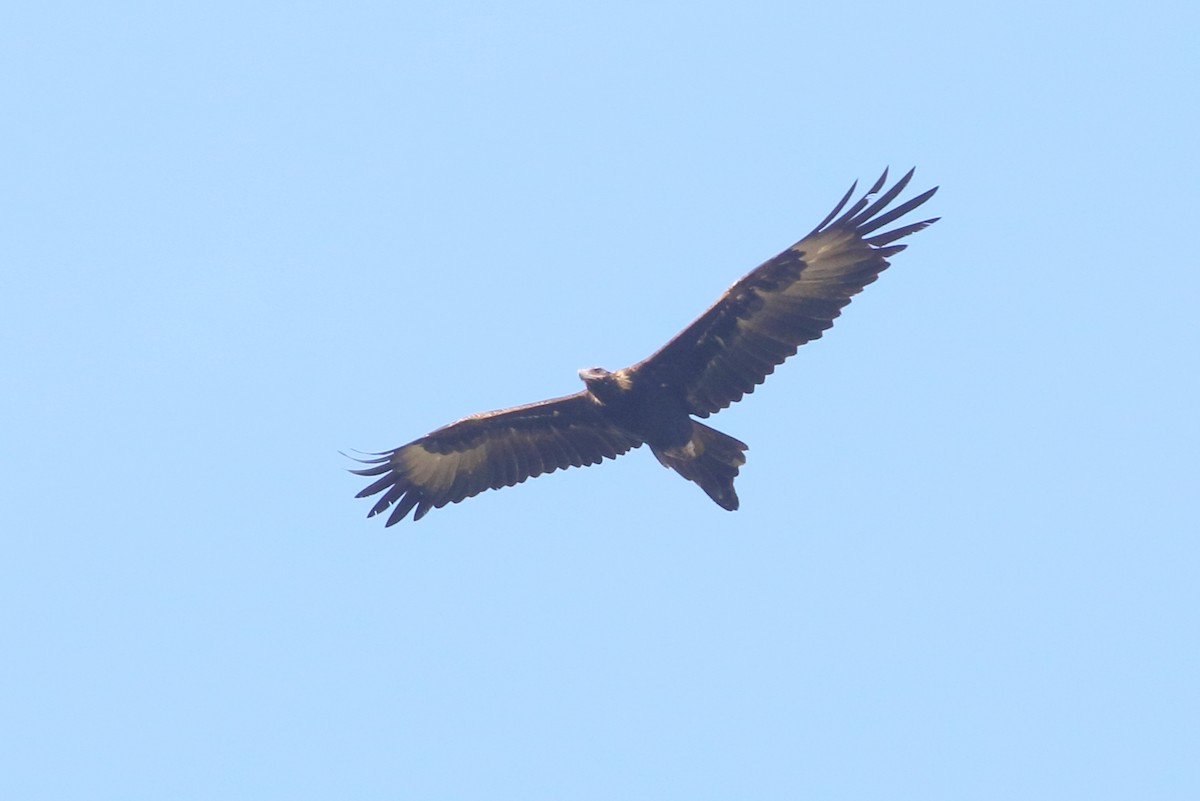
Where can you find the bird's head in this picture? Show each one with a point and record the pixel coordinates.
(605, 385)
(594, 374)
(595, 378)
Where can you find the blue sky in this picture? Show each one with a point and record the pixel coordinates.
(240, 238)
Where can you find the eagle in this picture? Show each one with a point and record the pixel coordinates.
(729, 350)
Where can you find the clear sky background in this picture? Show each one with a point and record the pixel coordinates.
(237, 238)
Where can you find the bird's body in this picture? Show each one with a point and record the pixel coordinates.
(651, 410)
(657, 413)
(758, 323)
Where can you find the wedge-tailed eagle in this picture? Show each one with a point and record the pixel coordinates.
(729, 350)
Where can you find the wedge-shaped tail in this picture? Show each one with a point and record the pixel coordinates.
(710, 459)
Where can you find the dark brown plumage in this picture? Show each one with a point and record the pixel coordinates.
(730, 349)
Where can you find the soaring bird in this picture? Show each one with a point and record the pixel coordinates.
(729, 350)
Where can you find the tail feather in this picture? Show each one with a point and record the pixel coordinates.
(710, 459)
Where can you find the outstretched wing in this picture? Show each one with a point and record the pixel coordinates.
(492, 450)
(787, 301)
